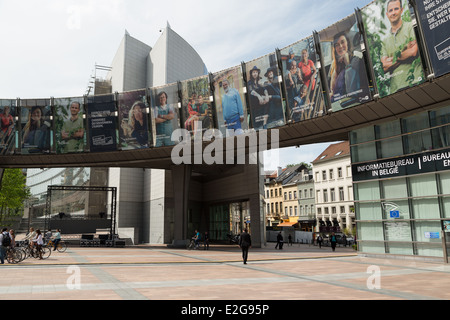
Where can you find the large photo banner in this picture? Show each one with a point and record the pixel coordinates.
(264, 92)
(165, 114)
(102, 123)
(344, 64)
(133, 119)
(70, 134)
(435, 21)
(229, 97)
(393, 47)
(196, 105)
(36, 124)
(8, 132)
(302, 81)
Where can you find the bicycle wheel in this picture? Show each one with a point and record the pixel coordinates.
(61, 247)
(190, 245)
(46, 252)
(13, 256)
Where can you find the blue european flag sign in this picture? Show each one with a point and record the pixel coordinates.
(395, 214)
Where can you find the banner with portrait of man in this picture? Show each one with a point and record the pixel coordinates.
(70, 133)
(302, 81)
(36, 124)
(133, 120)
(264, 93)
(196, 105)
(101, 113)
(164, 114)
(229, 97)
(344, 64)
(392, 46)
(7, 130)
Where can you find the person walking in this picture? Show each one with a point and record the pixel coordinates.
(333, 241)
(206, 240)
(245, 242)
(319, 241)
(279, 244)
(290, 240)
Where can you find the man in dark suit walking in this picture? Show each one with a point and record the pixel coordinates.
(245, 242)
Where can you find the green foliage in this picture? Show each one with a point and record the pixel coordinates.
(13, 193)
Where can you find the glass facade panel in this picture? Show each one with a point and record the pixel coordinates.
(427, 208)
(424, 185)
(367, 191)
(417, 142)
(387, 130)
(369, 211)
(441, 137)
(390, 148)
(399, 248)
(362, 135)
(446, 207)
(364, 152)
(372, 247)
(370, 231)
(394, 189)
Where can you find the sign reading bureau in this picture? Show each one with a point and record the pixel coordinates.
(400, 166)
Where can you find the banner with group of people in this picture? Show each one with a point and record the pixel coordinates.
(385, 47)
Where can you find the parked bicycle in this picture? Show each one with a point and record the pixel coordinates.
(14, 255)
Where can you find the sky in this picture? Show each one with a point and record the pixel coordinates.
(50, 47)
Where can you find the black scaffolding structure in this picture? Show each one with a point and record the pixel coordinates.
(112, 190)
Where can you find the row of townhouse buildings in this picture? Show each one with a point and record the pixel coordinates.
(315, 198)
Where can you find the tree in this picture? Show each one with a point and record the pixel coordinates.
(307, 165)
(13, 193)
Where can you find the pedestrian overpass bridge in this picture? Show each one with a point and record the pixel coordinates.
(333, 126)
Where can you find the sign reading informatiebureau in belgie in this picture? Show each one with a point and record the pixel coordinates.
(401, 166)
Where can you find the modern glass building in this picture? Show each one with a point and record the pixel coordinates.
(401, 174)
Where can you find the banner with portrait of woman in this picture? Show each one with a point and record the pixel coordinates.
(7, 130)
(196, 105)
(302, 81)
(36, 124)
(264, 93)
(344, 64)
(101, 113)
(392, 46)
(164, 114)
(231, 106)
(70, 133)
(133, 120)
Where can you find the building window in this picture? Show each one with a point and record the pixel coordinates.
(341, 193)
(325, 195)
(295, 211)
(290, 195)
(290, 211)
(295, 194)
(324, 175)
(339, 172)
(271, 206)
(299, 194)
(276, 193)
(271, 193)
(332, 195)
(276, 207)
(317, 176)
(311, 194)
(331, 174)
(285, 196)
(342, 209)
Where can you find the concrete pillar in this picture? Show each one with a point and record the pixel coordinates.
(181, 178)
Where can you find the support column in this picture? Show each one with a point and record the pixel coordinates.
(181, 178)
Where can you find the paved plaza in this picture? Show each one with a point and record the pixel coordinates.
(298, 272)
